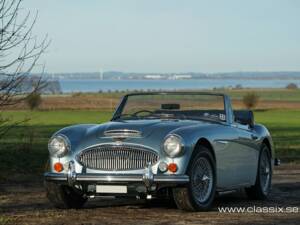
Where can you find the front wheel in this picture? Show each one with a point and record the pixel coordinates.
(199, 193)
(262, 186)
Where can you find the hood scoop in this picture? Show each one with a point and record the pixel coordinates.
(123, 133)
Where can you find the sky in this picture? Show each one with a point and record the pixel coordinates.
(169, 35)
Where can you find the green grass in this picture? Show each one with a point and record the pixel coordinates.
(58, 117)
(284, 126)
(24, 149)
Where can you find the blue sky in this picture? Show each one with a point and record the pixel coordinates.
(169, 35)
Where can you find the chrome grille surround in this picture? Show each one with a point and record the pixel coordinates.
(121, 157)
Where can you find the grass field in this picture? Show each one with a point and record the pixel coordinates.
(269, 99)
(24, 148)
(23, 151)
(284, 126)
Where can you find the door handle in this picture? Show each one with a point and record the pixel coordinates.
(254, 137)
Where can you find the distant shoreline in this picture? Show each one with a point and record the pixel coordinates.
(118, 75)
(96, 85)
(202, 78)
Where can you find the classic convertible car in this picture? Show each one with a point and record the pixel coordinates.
(184, 145)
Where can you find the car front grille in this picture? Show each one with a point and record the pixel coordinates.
(117, 157)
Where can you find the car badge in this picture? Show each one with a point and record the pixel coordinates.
(119, 140)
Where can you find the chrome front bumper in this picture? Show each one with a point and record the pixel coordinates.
(147, 178)
(113, 178)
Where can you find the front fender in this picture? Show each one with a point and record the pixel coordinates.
(75, 133)
(191, 136)
(264, 134)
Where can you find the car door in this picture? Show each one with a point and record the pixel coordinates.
(236, 152)
(247, 152)
(236, 156)
(228, 156)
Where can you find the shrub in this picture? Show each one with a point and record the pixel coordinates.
(292, 86)
(251, 100)
(34, 100)
(238, 86)
(76, 94)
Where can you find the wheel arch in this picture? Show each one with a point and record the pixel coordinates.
(183, 196)
(268, 144)
(204, 142)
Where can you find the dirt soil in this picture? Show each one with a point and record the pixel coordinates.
(26, 204)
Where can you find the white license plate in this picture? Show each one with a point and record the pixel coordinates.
(111, 189)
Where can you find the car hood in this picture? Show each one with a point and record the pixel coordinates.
(152, 132)
(145, 127)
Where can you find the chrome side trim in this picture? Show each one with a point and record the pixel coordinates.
(222, 142)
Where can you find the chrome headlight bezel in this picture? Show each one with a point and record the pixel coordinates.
(59, 151)
(178, 145)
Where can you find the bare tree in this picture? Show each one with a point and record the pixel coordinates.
(20, 51)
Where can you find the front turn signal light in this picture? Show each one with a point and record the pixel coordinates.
(172, 167)
(58, 167)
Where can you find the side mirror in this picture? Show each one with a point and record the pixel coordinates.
(245, 117)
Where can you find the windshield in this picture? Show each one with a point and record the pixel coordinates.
(172, 106)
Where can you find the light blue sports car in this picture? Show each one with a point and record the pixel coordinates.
(184, 145)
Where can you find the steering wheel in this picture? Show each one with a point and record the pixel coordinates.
(142, 111)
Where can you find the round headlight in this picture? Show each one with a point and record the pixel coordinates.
(58, 146)
(173, 145)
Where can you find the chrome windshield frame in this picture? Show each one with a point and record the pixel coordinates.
(226, 99)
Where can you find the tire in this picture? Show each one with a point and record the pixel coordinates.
(164, 197)
(64, 197)
(188, 198)
(262, 187)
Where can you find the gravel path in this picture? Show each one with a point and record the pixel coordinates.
(26, 204)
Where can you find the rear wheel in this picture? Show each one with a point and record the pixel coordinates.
(262, 186)
(199, 193)
(64, 197)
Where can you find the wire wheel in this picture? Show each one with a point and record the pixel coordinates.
(202, 180)
(265, 171)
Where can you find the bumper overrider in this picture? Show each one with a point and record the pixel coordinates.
(147, 178)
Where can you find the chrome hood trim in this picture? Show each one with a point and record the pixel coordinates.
(122, 133)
